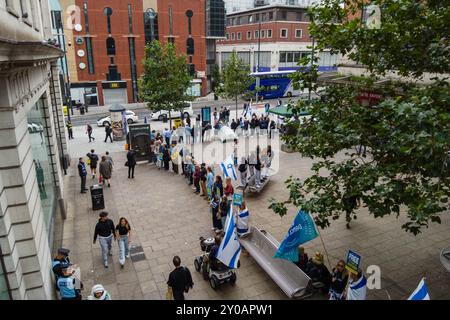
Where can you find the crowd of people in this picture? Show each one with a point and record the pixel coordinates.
(339, 284)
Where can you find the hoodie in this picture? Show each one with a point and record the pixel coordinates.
(99, 288)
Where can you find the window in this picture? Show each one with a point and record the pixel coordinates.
(297, 56)
(189, 15)
(250, 19)
(290, 57)
(269, 33)
(108, 12)
(228, 36)
(233, 22)
(257, 17)
(283, 15)
(283, 33)
(264, 16)
(263, 34)
(110, 46)
(270, 15)
(298, 33)
(249, 35)
(282, 57)
(34, 12)
(239, 36)
(238, 21)
(190, 46)
(233, 36)
(10, 6)
(299, 16)
(150, 25)
(24, 10)
(228, 22)
(256, 34)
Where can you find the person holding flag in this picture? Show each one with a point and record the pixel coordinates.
(357, 287)
(242, 225)
(230, 249)
(228, 168)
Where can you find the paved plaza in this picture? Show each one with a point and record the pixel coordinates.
(167, 219)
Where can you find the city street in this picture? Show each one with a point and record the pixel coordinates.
(167, 219)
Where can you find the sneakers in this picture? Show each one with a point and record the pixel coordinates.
(109, 185)
(106, 265)
(121, 266)
(127, 256)
(83, 191)
(110, 253)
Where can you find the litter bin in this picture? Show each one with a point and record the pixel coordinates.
(98, 201)
(82, 110)
(178, 123)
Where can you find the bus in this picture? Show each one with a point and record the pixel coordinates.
(277, 84)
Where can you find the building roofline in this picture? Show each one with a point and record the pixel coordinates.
(270, 6)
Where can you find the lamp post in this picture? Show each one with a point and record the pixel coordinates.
(259, 56)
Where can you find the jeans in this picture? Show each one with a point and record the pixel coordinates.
(83, 183)
(105, 245)
(124, 250)
(244, 178)
(257, 177)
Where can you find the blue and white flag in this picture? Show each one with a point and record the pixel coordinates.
(228, 168)
(230, 248)
(421, 292)
(302, 230)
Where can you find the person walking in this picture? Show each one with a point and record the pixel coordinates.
(180, 280)
(339, 278)
(108, 133)
(105, 231)
(235, 152)
(82, 173)
(268, 156)
(123, 236)
(93, 159)
(131, 163)
(109, 158)
(89, 132)
(167, 136)
(242, 220)
(66, 285)
(69, 129)
(98, 292)
(258, 167)
(105, 169)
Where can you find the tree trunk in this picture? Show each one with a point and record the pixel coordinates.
(170, 121)
(236, 108)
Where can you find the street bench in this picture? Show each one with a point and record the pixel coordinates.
(290, 278)
(445, 258)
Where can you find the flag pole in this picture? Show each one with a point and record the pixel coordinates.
(324, 248)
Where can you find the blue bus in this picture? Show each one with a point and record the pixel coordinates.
(277, 84)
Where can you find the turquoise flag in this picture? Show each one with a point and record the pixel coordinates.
(303, 229)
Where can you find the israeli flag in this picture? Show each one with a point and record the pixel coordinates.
(228, 168)
(421, 292)
(230, 248)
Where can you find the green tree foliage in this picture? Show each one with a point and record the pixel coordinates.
(235, 79)
(406, 135)
(166, 79)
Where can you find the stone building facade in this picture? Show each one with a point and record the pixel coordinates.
(33, 147)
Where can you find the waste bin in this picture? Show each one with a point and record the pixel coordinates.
(82, 110)
(178, 123)
(98, 201)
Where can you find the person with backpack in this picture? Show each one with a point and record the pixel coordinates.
(180, 281)
(108, 132)
(93, 159)
(89, 132)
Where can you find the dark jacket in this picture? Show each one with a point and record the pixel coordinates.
(94, 159)
(82, 169)
(131, 158)
(302, 262)
(340, 281)
(104, 228)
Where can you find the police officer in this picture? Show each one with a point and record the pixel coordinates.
(69, 129)
(66, 286)
(60, 261)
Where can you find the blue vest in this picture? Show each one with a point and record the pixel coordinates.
(66, 287)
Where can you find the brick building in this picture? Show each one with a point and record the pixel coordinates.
(273, 37)
(194, 26)
(106, 41)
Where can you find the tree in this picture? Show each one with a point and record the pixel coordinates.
(406, 135)
(165, 80)
(236, 79)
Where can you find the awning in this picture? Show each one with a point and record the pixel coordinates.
(286, 111)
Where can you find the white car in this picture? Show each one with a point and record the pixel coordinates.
(159, 115)
(129, 115)
(35, 127)
(226, 134)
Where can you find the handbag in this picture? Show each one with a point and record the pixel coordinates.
(89, 161)
(169, 294)
(100, 179)
(126, 164)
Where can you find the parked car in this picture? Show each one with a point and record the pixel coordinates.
(129, 115)
(35, 127)
(159, 115)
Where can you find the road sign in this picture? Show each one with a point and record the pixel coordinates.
(353, 262)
